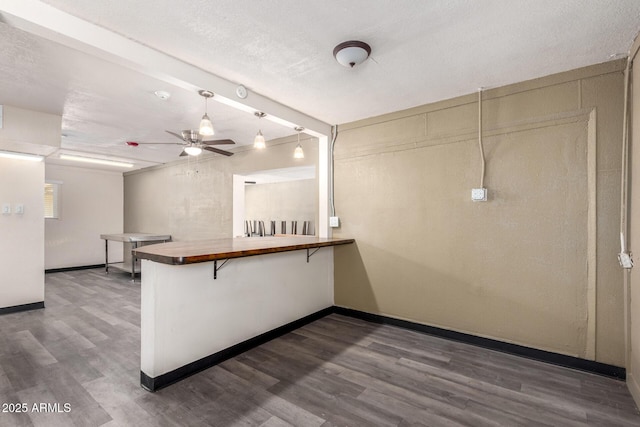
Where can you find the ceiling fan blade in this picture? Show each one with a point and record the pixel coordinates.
(218, 142)
(159, 143)
(184, 153)
(217, 150)
(175, 134)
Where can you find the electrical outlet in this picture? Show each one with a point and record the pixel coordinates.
(334, 221)
(479, 194)
(19, 209)
(6, 209)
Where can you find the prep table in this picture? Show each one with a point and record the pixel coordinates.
(134, 239)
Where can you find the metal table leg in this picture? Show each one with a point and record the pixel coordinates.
(106, 256)
(134, 245)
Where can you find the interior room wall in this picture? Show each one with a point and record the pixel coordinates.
(18, 133)
(282, 201)
(192, 199)
(633, 279)
(91, 203)
(22, 241)
(22, 235)
(534, 265)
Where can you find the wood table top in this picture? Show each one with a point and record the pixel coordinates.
(178, 253)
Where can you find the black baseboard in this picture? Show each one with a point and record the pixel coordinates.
(161, 381)
(82, 267)
(515, 349)
(22, 307)
(164, 380)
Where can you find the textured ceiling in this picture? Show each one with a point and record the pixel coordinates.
(422, 51)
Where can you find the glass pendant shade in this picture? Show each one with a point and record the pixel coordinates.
(206, 127)
(298, 153)
(192, 150)
(259, 141)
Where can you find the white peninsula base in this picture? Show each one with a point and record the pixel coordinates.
(189, 319)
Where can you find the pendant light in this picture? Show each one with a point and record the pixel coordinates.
(259, 141)
(298, 153)
(206, 127)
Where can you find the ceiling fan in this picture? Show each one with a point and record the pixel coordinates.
(192, 143)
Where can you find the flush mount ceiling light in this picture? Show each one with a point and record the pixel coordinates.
(351, 53)
(259, 141)
(298, 153)
(206, 127)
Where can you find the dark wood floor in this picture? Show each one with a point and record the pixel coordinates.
(84, 350)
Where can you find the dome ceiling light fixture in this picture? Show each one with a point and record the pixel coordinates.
(206, 127)
(351, 53)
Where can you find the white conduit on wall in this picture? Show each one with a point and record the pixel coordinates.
(624, 256)
(482, 173)
(332, 203)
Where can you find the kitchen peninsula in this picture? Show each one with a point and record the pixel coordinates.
(205, 301)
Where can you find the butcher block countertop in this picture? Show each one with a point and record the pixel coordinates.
(178, 253)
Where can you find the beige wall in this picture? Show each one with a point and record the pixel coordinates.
(536, 264)
(91, 203)
(282, 201)
(193, 198)
(633, 280)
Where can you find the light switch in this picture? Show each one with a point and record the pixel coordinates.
(6, 209)
(19, 209)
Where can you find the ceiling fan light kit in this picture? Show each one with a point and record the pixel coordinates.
(192, 143)
(193, 150)
(206, 127)
(351, 53)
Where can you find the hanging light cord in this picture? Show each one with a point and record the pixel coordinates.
(480, 137)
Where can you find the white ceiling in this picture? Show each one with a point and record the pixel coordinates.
(422, 51)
